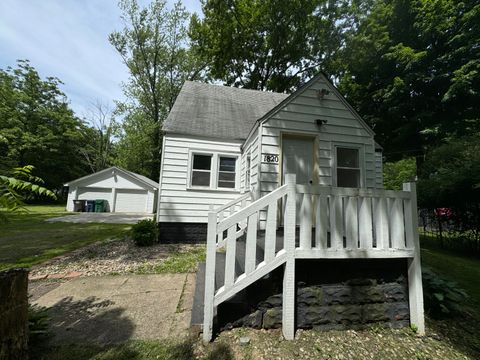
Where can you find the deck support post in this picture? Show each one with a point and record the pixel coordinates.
(208, 311)
(288, 300)
(415, 289)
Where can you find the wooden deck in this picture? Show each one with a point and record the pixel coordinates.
(334, 223)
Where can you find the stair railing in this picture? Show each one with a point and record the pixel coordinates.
(249, 216)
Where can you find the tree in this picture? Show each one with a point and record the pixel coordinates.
(153, 45)
(399, 172)
(134, 147)
(37, 126)
(99, 148)
(16, 188)
(412, 69)
(269, 44)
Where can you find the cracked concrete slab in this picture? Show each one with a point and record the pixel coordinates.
(113, 309)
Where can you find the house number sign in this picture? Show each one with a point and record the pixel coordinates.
(270, 158)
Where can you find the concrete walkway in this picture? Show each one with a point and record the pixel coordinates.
(113, 309)
(106, 218)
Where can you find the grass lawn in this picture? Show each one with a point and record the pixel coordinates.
(26, 239)
(463, 270)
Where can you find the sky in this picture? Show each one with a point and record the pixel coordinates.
(68, 39)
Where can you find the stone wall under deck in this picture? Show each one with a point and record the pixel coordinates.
(331, 294)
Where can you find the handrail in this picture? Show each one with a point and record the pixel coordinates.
(233, 202)
(340, 191)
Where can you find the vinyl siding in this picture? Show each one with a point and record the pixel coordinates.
(177, 202)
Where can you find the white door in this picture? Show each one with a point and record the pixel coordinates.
(297, 158)
(129, 200)
(92, 193)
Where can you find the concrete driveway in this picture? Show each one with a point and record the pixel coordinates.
(106, 218)
(112, 309)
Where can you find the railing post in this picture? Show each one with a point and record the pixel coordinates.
(415, 289)
(288, 308)
(210, 276)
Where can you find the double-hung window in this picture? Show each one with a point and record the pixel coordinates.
(213, 171)
(226, 172)
(348, 167)
(201, 170)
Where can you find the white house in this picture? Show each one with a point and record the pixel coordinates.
(124, 191)
(274, 178)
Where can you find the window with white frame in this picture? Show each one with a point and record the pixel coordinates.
(348, 167)
(247, 173)
(213, 170)
(201, 170)
(226, 172)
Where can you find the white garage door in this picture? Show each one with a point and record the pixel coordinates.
(90, 193)
(131, 201)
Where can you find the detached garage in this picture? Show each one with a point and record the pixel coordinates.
(122, 191)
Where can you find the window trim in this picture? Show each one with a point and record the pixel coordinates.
(214, 169)
(248, 172)
(234, 173)
(361, 162)
(190, 169)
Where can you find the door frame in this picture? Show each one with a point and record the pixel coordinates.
(299, 135)
(315, 169)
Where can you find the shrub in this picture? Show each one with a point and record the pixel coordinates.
(145, 232)
(442, 298)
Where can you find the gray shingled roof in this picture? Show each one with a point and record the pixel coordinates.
(218, 111)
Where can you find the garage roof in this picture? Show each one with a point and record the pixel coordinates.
(143, 179)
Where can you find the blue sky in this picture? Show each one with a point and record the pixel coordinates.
(68, 39)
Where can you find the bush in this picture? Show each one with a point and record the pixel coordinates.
(145, 232)
(442, 298)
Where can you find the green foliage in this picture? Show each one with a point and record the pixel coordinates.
(399, 172)
(38, 322)
(450, 175)
(274, 44)
(442, 298)
(153, 44)
(16, 188)
(145, 232)
(411, 68)
(37, 126)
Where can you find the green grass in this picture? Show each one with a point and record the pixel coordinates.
(133, 350)
(26, 239)
(177, 262)
(462, 270)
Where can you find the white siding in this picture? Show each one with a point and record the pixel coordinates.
(378, 170)
(250, 149)
(299, 117)
(177, 202)
(106, 186)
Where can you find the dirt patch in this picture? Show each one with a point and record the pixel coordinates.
(107, 258)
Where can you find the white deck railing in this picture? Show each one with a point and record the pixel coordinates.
(334, 223)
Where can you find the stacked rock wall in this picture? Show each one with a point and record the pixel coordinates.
(357, 295)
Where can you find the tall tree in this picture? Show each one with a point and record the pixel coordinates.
(99, 148)
(37, 127)
(269, 44)
(153, 45)
(412, 69)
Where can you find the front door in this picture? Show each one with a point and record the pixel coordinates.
(297, 158)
